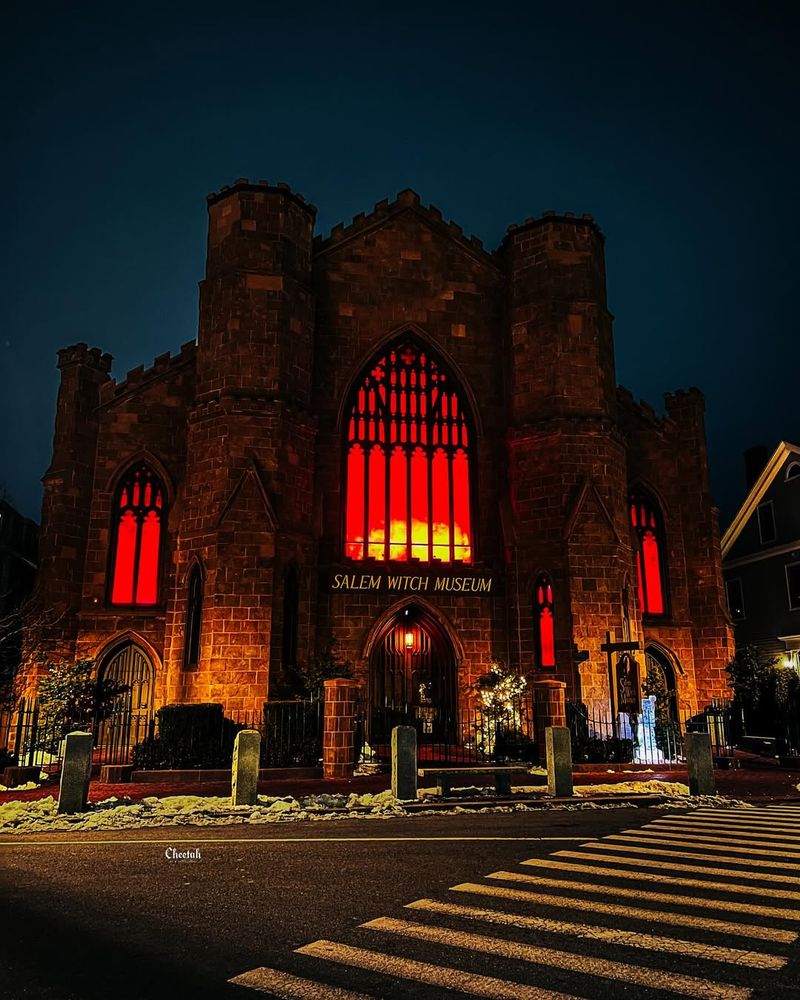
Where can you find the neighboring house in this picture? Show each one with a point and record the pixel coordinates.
(761, 556)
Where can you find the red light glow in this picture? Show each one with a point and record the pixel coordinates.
(410, 499)
(649, 561)
(545, 623)
(137, 545)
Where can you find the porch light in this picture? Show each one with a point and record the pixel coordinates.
(409, 640)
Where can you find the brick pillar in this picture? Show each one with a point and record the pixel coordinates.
(548, 706)
(337, 730)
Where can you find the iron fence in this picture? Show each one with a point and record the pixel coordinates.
(291, 736)
(647, 737)
(32, 739)
(472, 734)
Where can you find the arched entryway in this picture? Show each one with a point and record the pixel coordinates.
(125, 719)
(412, 678)
(130, 668)
(660, 674)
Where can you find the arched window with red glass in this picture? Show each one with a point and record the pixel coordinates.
(136, 530)
(651, 565)
(409, 441)
(544, 622)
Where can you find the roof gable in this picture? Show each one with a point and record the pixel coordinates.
(770, 473)
(384, 212)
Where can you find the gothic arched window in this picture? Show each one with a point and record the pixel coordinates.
(651, 571)
(137, 520)
(545, 622)
(409, 441)
(194, 618)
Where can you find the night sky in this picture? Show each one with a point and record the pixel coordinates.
(676, 128)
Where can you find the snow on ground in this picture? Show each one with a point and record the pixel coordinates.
(40, 815)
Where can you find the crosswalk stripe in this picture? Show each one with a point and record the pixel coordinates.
(629, 912)
(612, 935)
(701, 902)
(679, 840)
(726, 816)
(441, 976)
(660, 852)
(674, 867)
(288, 987)
(569, 961)
(701, 841)
(695, 883)
(734, 836)
(781, 824)
(754, 810)
(750, 829)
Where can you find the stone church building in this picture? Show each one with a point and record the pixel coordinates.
(390, 438)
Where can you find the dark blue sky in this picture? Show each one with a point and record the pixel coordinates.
(675, 127)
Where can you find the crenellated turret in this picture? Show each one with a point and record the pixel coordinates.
(562, 361)
(68, 485)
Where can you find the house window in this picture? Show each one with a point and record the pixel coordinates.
(194, 617)
(735, 599)
(409, 442)
(545, 630)
(766, 523)
(793, 585)
(136, 537)
(793, 472)
(651, 572)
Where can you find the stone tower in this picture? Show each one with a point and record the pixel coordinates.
(566, 457)
(247, 499)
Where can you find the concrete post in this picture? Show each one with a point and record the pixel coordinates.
(404, 762)
(559, 760)
(76, 769)
(338, 741)
(244, 775)
(700, 764)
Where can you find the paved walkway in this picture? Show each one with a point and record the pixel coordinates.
(765, 783)
(703, 905)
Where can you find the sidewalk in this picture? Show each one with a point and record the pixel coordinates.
(765, 783)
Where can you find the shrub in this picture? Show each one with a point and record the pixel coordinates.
(189, 736)
(71, 698)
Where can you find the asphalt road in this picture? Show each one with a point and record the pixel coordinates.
(108, 915)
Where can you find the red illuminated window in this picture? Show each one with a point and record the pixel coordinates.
(408, 462)
(545, 625)
(136, 537)
(651, 577)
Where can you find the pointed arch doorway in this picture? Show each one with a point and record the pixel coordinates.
(412, 679)
(127, 718)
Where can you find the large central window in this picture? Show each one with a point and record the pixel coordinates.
(408, 461)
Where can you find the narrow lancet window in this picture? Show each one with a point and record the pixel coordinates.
(544, 623)
(194, 618)
(650, 554)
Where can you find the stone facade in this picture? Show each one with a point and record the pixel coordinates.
(245, 430)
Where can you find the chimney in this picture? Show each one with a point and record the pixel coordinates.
(755, 459)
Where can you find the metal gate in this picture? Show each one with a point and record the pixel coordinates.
(127, 719)
(412, 682)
